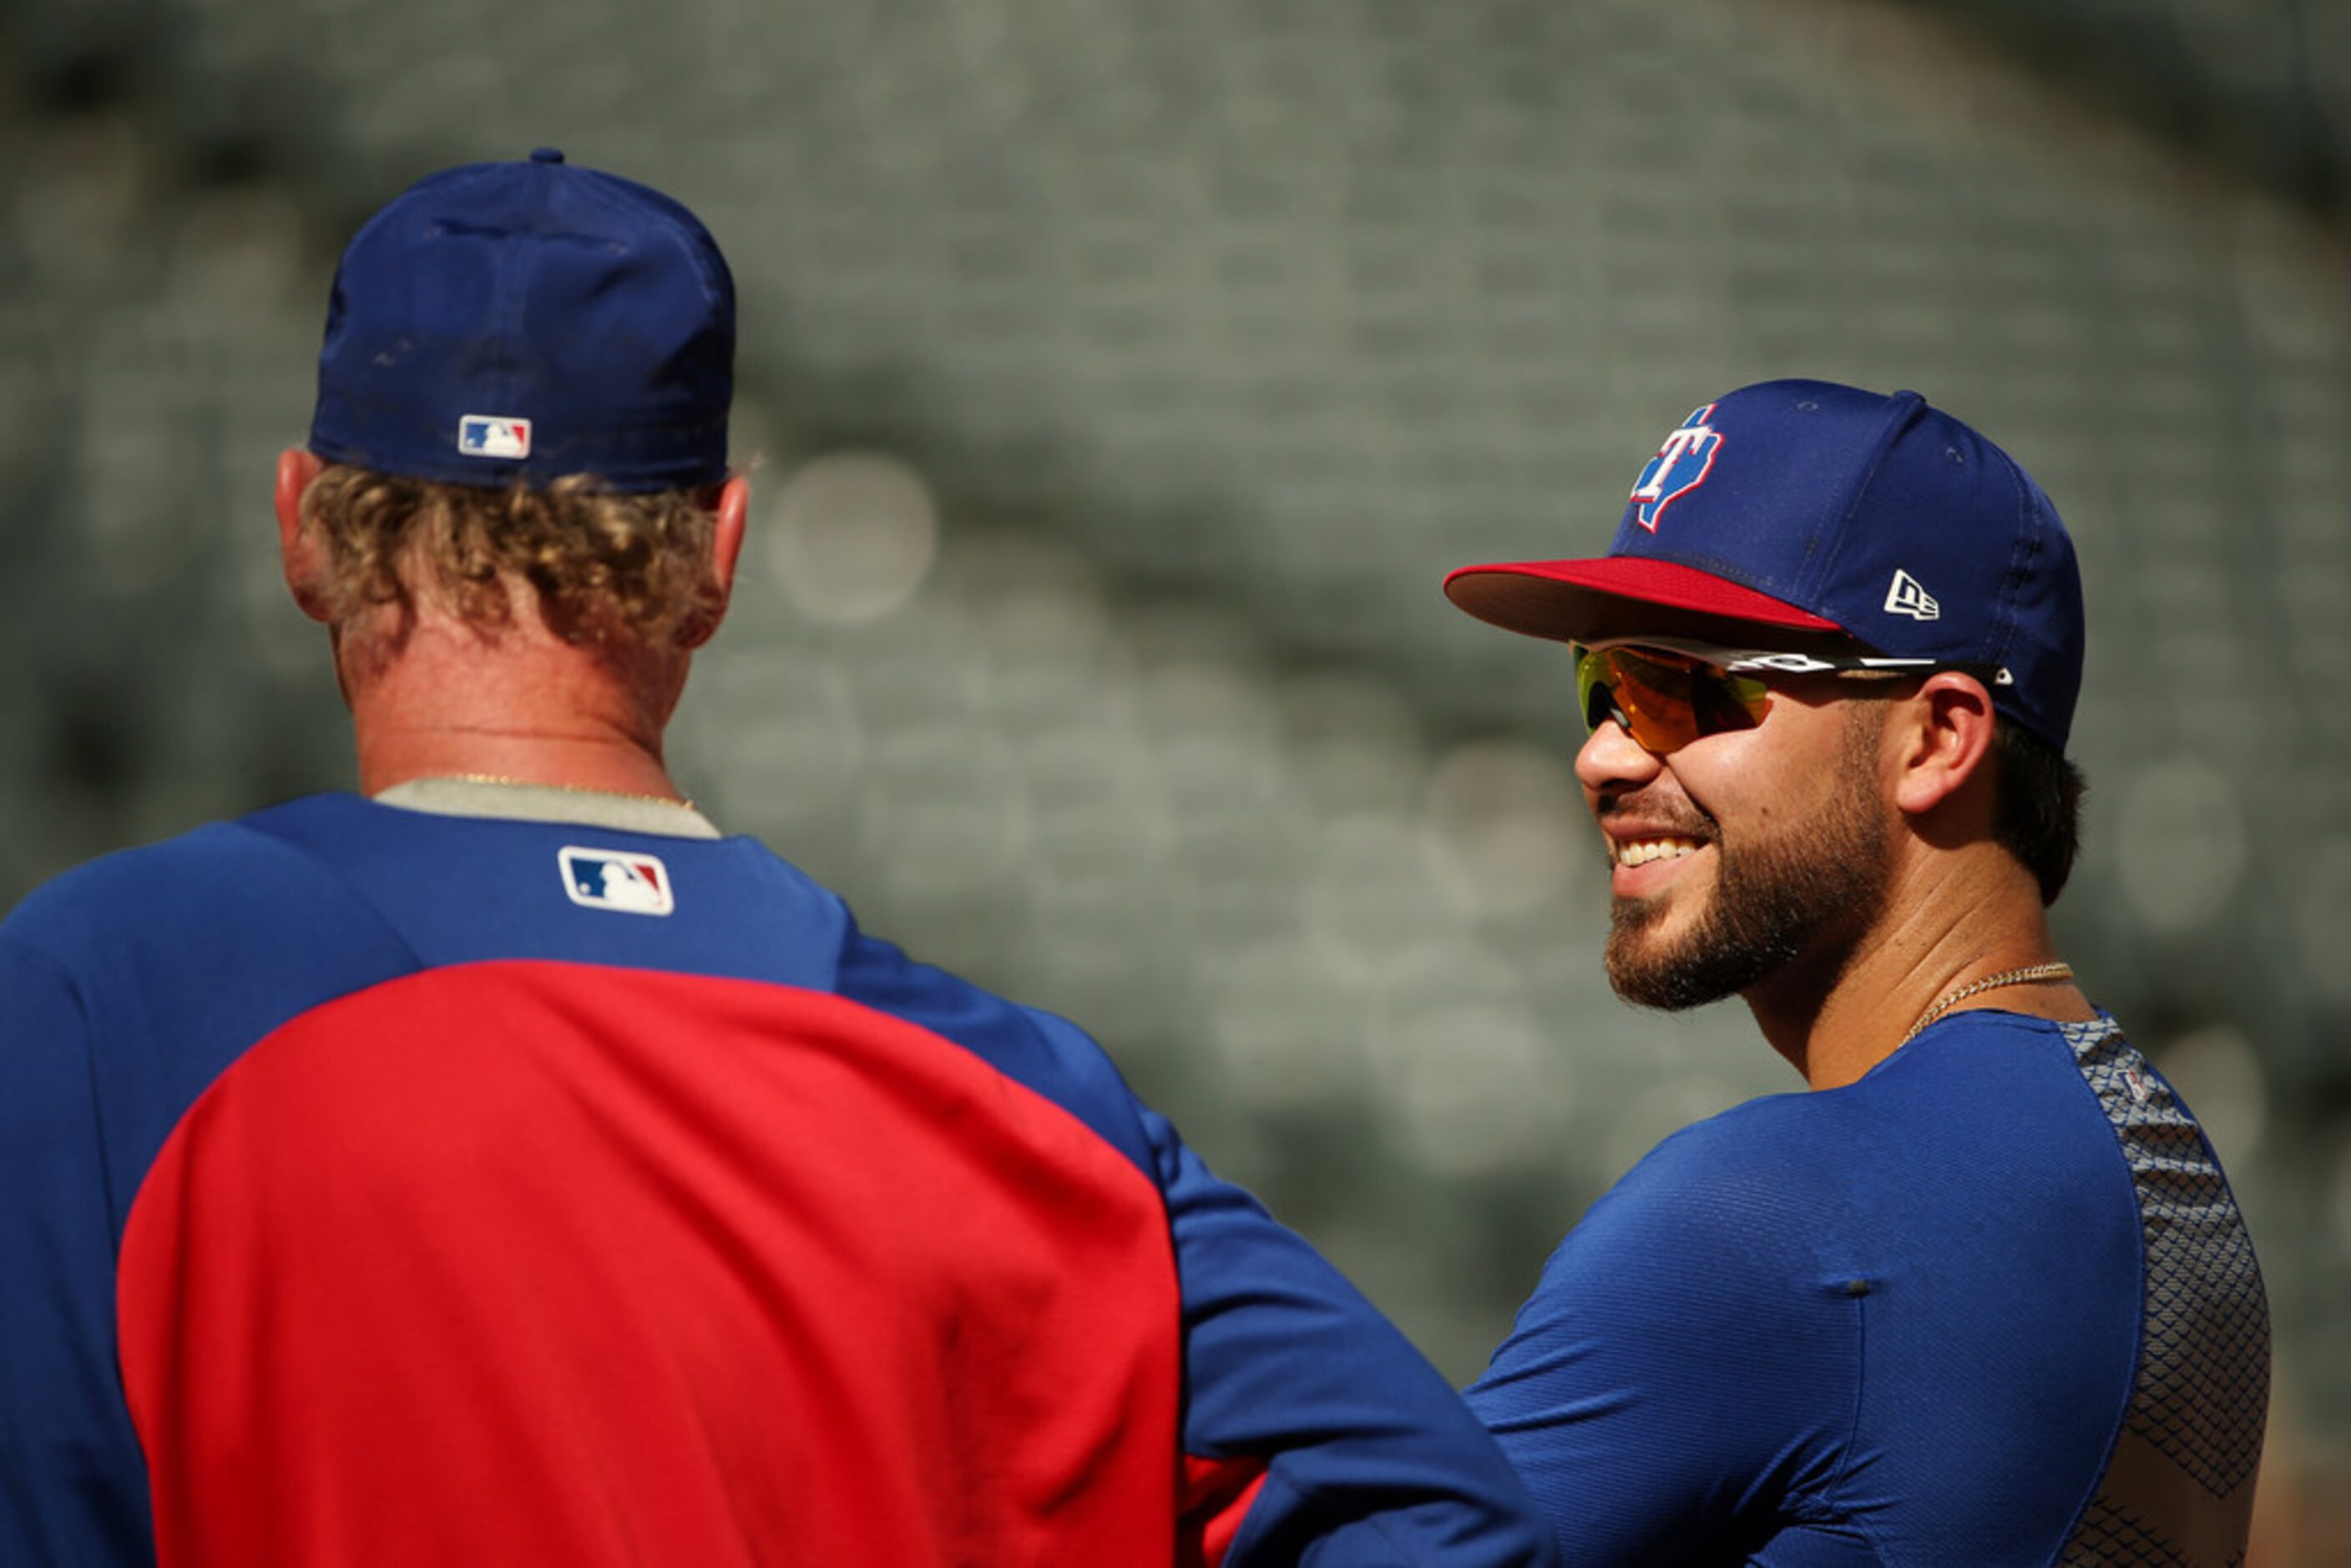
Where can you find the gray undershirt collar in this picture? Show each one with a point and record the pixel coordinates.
(550, 803)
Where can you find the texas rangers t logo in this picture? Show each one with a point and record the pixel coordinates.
(1680, 466)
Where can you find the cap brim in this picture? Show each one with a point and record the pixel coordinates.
(1616, 596)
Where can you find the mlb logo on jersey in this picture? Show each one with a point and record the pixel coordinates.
(493, 436)
(1680, 466)
(631, 882)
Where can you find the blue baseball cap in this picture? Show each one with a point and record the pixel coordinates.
(530, 321)
(1797, 510)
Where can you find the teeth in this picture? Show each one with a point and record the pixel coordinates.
(1641, 851)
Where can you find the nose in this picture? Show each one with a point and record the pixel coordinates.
(1611, 762)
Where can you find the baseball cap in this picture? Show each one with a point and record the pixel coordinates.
(530, 319)
(1805, 510)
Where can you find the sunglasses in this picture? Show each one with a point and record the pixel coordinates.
(1666, 697)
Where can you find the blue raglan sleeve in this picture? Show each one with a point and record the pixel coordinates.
(1361, 1452)
(1313, 1432)
(1691, 1358)
(73, 1486)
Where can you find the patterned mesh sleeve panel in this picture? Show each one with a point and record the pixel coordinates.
(2178, 1491)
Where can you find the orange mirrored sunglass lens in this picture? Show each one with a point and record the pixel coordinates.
(1665, 705)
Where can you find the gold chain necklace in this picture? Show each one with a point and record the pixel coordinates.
(571, 789)
(1990, 982)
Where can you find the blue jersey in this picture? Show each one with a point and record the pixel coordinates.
(387, 1188)
(1993, 1305)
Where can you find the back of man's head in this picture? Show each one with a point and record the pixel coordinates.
(525, 378)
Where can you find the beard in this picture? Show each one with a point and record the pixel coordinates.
(1808, 892)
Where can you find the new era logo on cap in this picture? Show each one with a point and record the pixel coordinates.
(1907, 596)
(493, 436)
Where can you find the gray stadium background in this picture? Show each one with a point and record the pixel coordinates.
(1122, 377)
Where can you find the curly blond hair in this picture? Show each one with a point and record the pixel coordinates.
(605, 565)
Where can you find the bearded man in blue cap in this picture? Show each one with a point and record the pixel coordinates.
(499, 1165)
(1982, 1296)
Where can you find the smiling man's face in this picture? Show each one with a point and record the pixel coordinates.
(1740, 853)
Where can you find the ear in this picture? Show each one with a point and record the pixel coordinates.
(297, 548)
(1941, 739)
(725, 550)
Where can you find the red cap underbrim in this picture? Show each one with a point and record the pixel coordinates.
(1578, 600)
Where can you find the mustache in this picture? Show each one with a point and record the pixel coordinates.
(1670, 810)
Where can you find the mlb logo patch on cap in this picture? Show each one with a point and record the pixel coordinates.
(493, 436)
(600, 305)
(624, 881)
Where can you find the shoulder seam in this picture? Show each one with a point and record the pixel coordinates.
(244, 825)
(2114, 1145)
(840, 906)
(114, 1213)
(1146, 1154)
(1835, 1487)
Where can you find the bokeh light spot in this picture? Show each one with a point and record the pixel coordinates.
(853, 534)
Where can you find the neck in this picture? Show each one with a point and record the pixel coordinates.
(445, 700)
(1949, 922)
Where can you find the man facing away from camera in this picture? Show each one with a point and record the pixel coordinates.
(502, 1166)
(1982, 1296)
